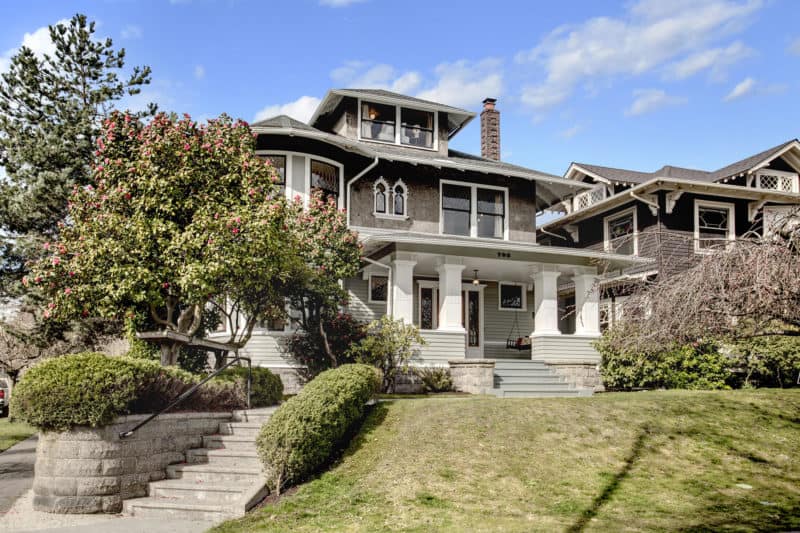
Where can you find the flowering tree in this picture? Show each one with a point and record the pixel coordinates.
(179, 218)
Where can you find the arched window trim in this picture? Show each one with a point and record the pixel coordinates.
(386, 194)
(390, 198)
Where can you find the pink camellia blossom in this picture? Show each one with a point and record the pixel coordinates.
(235, 231)
(46, 246)
(51, 305)
(187, 146)
(46, 313)
(67, 291)
(37, 279)
(165, 285)
(71, 273)
(25, 280)
(56, 261)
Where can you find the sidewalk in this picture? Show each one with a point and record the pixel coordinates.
(16, 472)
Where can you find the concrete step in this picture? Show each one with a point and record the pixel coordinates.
(206, 473)
(539, 394)
(532, 380)
(259, 415)
(229, 442)
(522, 363)
(155, 508)
(522, 387)
(223, 457)
(214, 493)
(241, 429)
(524, 372)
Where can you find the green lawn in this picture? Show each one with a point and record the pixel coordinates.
(13, 432)
(649, 461)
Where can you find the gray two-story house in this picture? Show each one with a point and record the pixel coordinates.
(450, 239)
(670, 217)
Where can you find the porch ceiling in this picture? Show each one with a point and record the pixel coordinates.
(489, 255)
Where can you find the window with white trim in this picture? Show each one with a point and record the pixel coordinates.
(713, 224)
(512, 297)
(325, 177)
(278, 162)
(378, 288)
(379, 122)
(776, 180)
(620, 233)
(474, 210)
(390, 202)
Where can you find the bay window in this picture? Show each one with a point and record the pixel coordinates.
(379, 122)
(325, 177)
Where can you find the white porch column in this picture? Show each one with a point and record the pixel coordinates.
(403, 287)
(545, 296)
(450, 295)
(587, 304)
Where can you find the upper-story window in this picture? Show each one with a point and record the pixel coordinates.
(472, 210)
(325, 177)
(776, 180)
(620, 233)
(713, 224)
(390, 202)
(278, 162)
(379, 123)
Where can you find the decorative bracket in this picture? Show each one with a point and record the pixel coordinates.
(753, 208)
(672, 199)
(572, 229)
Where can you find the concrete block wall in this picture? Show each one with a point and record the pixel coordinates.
(91, 470)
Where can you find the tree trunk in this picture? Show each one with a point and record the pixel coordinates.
(169, 354)
(325, 344)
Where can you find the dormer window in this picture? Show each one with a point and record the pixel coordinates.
(379, 123)
(776, 180)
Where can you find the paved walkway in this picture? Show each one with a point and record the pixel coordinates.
(16, 472)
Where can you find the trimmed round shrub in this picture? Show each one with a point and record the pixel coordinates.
(308, 429)
(92, 389)
(266, 388)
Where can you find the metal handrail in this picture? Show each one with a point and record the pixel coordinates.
(185, 395)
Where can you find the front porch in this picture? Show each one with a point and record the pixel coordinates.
(484, 299)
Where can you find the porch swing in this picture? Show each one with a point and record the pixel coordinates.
(519, 342)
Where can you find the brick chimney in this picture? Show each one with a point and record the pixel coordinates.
(490, 130)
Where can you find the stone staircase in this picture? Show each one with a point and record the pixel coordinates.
(221, 480)
(516, 378)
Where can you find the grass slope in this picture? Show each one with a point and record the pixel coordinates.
(13, 432)
(652, 461)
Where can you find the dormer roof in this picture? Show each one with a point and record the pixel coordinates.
(456, 118)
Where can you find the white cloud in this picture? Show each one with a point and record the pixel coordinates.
(794, 47)
(460, 83)
(649, 100)
(38, 41)
(301, 109)
(199, 72)
(650, 35)
(741, 89)
(339, 3)
(569, 133)
(131, 32)
(364, 75)
(465, 83)
(716, 60)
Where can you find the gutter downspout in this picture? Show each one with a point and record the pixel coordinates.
(389, 300)
(353, 180)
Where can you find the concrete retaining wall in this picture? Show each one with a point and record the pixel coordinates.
(91, 470)
(472, 376)
(582, 375)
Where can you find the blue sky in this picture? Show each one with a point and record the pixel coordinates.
(638, 84)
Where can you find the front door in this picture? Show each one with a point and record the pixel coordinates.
(471, 319)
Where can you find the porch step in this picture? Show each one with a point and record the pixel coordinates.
(221, 480)
(530, 379)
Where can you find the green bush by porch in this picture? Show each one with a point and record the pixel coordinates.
(266, 388)
(649, 461)
(305, 432)
(92, 389)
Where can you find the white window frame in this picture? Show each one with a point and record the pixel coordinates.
(389, 214)
(369, 289)
(398, 125)
(780, 173)
(289, 189)
(524, 288)
(473, 208)
(427, 284)
(607, 230)
(589, 193)
(387, 194)
(698, 204)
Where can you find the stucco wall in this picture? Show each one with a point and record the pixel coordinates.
(91, 470)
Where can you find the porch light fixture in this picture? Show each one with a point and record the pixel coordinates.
(475, 280)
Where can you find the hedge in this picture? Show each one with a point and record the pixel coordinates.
(92, 389)
(266, 388)
(306, 431)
